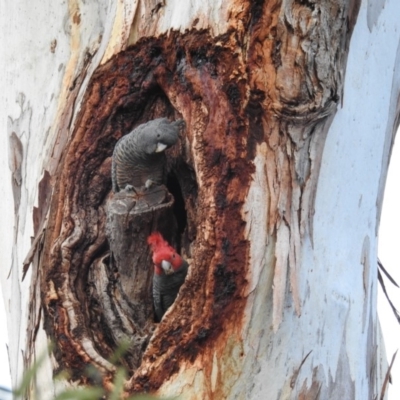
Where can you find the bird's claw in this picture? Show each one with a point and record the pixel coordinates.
(130, 189)
(149, 184)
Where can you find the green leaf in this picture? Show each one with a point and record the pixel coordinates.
(149, 397)
(119, 380)
(81, 394)
(29, 375)
(121, 350)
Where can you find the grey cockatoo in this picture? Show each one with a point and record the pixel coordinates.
(138, 160)
(170, 271)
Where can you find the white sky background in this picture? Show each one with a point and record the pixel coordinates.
(388, 250)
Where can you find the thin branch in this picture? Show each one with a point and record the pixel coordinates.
(395, 312)
(387, 377)
(380, 265)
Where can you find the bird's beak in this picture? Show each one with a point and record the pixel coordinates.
(160, 147)
(167, 267)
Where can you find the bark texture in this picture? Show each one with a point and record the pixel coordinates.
(258, 100)
(120, 299)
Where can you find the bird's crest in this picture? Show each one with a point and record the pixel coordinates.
(155, 240)
(163, 251)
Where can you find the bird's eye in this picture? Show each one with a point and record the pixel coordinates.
(158, 135)
(173, 255)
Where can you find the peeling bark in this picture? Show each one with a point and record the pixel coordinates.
(258, 99)
(229, 106)
(121, 302)
(77, 235)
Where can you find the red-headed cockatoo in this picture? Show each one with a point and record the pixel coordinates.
(170, 271)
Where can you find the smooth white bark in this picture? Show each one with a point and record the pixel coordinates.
(43, 50)
(345, 224)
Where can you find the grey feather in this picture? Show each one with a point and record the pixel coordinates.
(166, 289)
(138, 159)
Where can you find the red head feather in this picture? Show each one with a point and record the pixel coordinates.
(156, 241)
(163, 251)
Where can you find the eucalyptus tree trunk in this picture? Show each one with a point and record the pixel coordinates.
(290, 110)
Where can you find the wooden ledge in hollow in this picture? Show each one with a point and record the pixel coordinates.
(129, 202)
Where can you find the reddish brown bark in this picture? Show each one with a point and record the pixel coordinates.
(275, 81)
